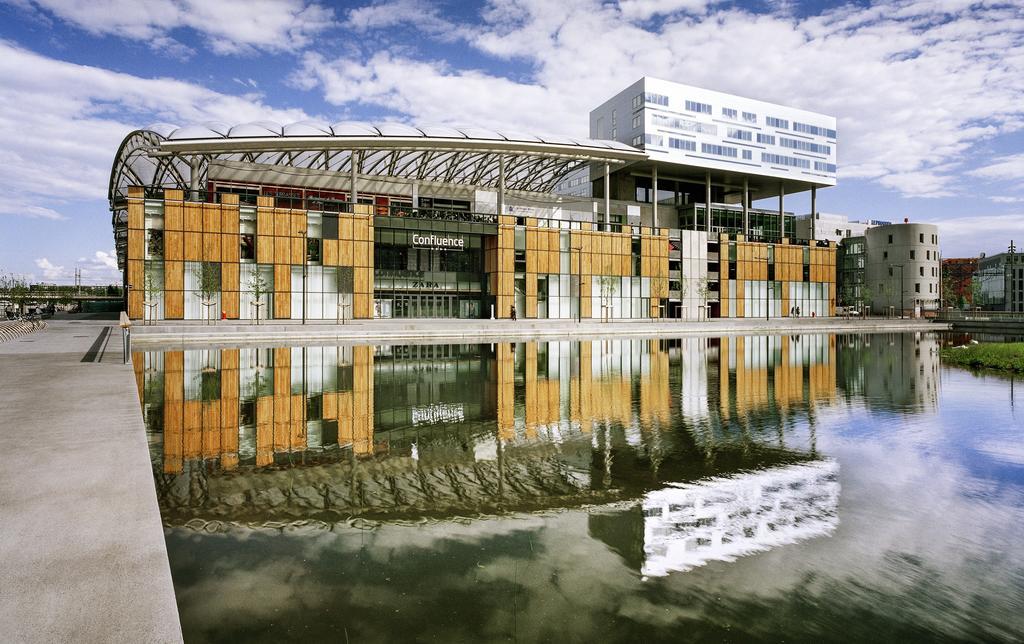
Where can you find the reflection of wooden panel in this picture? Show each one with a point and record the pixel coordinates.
(211, 429)
(264, 431)
(505, 376)
(192, 428)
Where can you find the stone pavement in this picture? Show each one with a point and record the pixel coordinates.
(178, 333)
(81, 541)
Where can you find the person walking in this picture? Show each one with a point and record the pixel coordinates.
(513, 312)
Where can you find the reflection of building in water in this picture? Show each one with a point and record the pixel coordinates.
(774, 373)
(444, 429)
(681, 527)
(253, 403)
(891, 370)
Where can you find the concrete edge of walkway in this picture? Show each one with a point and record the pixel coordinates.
(154, 337)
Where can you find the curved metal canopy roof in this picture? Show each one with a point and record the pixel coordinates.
(163, 156)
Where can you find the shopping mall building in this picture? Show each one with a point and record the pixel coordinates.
(311, 221)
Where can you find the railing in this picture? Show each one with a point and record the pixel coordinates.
(980, 316)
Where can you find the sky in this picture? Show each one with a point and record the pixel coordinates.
(928, 94)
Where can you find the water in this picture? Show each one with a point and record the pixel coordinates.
(799, 488)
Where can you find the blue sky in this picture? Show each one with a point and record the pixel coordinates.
(929, 94)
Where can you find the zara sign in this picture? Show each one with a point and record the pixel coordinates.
(433, 241)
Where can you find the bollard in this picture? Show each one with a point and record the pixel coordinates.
(126, 336)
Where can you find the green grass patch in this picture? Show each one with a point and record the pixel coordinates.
(1006, 357)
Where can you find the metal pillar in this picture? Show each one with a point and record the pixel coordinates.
(654, 185)
(814, 210)
(193, 179)
(746, 208)
(707, 202)
(607, 196)
(501, 185)
(782, 217)
(355, 177)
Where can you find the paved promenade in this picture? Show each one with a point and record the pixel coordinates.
(81, 541)
(384, 331)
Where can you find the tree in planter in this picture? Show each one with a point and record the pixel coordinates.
(153, 286)
(703, 290)
(867, 297)
(15, 289)
(608, 284)
(258, 287)
(207, 276)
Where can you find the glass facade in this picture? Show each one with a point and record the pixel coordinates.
(410, 281)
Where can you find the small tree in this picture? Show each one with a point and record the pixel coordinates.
(207, 276)
(608, 284)
(866, 297)
(153, 288)
(703, 290)
(16, 289)
(258, 287)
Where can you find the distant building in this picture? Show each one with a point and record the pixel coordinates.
(999, 282)
(902, 268)
(833, 227)
(958, 280)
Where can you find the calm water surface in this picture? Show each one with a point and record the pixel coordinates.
(798, 488)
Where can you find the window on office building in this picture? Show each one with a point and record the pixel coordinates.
(776, 122)
(638, 100)
(890, 239)
(637, 141)
(912, 254)
(885, 254)
(636, 121)
(747, 155)
(694, 106)
(728, 112)
(750, 117)
(920, 269)
(766, 138)
(657, 99)
(917, 287)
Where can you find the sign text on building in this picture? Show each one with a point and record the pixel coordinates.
(433, 241)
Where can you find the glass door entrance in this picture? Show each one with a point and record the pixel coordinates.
(419, 305)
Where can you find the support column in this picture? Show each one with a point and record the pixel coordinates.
(355, 176)
(782, 217)
(607, 196)
(746, 208)
(654, 185)
(193, 179)
(415, 194)
(814, 210)
(707, 202)
(501, 188)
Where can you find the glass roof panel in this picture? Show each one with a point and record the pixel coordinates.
(398, 129)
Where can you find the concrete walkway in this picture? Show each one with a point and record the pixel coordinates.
(81, 541)
(177, 333)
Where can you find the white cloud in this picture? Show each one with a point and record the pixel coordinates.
(51, 272)
(1005, 199)
(1005, 168)
(644, 9)
(970, 234)
(915, 85)
(62, 124)
(229, 26)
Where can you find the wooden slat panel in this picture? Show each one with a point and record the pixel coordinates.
(211, 247)
(193, 217)
(193, 246)
(229, 248)
(264, 249)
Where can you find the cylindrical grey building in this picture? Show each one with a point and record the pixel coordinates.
(903, 268)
